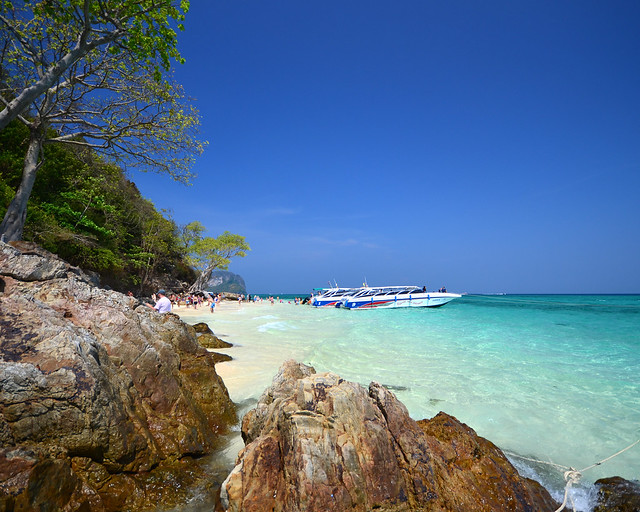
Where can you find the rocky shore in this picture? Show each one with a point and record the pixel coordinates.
(107, 405)
(318, 442)
(102, 400)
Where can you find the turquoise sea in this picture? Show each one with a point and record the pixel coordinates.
(554, 378)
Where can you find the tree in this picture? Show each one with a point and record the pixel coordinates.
(189, 235)
(209, 254)
(74, 30)
(111, 98)
(86, 211)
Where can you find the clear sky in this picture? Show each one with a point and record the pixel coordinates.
(486, 146)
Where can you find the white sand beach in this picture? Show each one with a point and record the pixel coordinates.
(251, 328)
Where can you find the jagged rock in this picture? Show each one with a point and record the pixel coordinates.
(616, 494)
(316, 442)
(220, 358)
(211, 341)
(473, 470)
(95, 389)
(202, 328)
(207, 339)
(52, 485)
(27, 261)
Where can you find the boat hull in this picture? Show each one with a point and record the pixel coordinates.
(325, 304)
(426, 300)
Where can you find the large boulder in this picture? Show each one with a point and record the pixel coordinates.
(616, 494)
(316, 442)
(95, 389)
(207, 339)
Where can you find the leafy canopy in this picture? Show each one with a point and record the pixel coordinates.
(89, 213)
(210, 253)
(41, 40)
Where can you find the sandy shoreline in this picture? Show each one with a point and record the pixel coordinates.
(241, 375)
(225, 305)
(248, 373)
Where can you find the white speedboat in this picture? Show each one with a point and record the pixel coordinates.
(396, 297)
(331, 297)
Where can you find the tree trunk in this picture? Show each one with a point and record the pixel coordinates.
(202, 280)
(13, 223)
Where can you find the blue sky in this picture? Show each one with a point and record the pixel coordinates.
(485, 146)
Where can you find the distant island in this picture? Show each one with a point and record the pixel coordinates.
(223, 281)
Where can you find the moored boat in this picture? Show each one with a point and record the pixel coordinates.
(331, 297)
(385, 297)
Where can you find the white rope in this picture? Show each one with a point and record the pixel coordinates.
(571, 475)
(612, 456)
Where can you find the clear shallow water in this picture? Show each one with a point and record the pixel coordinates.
(555, 378)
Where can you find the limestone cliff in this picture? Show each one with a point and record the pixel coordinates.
(222, 281)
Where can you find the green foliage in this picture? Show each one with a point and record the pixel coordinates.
(208, 253)
(94, 74)
(85, 210)
(145, 28)
(90, 214)
(189, 235)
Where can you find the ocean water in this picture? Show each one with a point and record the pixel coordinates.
(547, 377)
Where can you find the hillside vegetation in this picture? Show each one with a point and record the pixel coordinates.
(87, 211)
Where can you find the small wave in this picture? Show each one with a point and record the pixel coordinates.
(276, 326)
(584, 494)
(265, 317)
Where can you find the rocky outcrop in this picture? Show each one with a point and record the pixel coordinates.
(472, 470)
(207, 339)
(97, 392)
(616, 494)
(316, 442)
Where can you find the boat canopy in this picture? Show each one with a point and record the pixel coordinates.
(388, 290)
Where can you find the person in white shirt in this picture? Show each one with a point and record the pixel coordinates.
(163, 304)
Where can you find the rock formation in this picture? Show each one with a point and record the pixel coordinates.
(617, 495)
(316, 442)
(207, 339)
(223, 281)
(98, 393)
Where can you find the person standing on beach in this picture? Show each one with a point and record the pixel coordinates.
(163, 304)
(214, 303)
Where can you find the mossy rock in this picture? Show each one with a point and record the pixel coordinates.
(202, 328)
(211, 341)
(220, 358)
(617, 494)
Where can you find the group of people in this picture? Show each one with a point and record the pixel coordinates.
(189, 300)
(164, 304)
